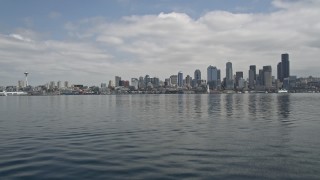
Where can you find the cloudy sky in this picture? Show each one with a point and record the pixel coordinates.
(92, 41)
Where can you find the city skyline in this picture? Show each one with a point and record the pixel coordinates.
(60, 41)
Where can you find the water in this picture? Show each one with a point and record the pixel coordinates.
(236, 136)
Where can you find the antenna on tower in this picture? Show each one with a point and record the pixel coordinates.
(26, 74)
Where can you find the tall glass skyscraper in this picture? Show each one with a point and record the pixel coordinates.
(229, 76)
(285, 66)
(180, 79)
(197, 74)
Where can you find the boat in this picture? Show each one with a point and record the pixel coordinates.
(282, 91)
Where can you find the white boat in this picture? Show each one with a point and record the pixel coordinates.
(15, 93)
(282, 91)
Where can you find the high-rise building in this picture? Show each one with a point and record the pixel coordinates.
(188, 80)
(229, 76)
(279, 71)
(285, 66)
(174, 80)
(135, 83)
(66, 84)
(254, 69)
(52, 85)
(197, 75)
(20, 84)
(180, 79)
(59, 85)
(252, 74)
(212, 77)
(267, 75)
(117, 81)
(219, 74)
(239, 75)
(229, 73)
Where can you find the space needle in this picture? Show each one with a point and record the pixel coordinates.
(26, 74)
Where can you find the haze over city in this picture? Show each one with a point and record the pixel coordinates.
(92, 42)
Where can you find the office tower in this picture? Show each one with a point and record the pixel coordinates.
(174, 80)
(188, 80)
(267, 75)
(229, 76)
(212, 76)
(146, 80)
(254, 69)
(197, 75)
(66, 84)
(52, 85)
(180, 79)
(117, 81)
(167, 82)
(135, 83)
(103, 85)
(219, 74)
(239, 75)
(279, 71)
(260, 80)
(252, 75)
(110, 85)
(285, 66)
(155, 81)
(59, 85)
(20, 84)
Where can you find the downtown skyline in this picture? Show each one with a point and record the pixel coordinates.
(61, 42)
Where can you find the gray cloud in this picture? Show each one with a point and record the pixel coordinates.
(163, 44)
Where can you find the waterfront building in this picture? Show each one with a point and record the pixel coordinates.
(279, 71)
(174, 80)
(103, 85)
(134, 83)
(252, 76)
(110, 85)
(285, 66)
(197, 75)
(141, 84)
(117, 81)
(212, 77)
(188, 81)
(20, 84)
(52, 85)
(59, 85)
(239, 75)
(180, 79)
(229, 76)
(66, 84)
(254, 69)
(267, 75)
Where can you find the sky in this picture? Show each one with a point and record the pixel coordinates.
(91, 42)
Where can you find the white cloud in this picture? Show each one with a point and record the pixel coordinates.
(163, 44)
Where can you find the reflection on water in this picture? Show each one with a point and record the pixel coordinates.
(209, 136)
(284, 105)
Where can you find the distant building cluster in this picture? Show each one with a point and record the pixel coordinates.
(259, 80)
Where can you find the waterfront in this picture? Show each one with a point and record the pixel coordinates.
(195, 136)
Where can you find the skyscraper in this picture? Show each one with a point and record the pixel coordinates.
(197, 74)
(212, 76)
(267, 75)
(254, 69)
(229, 76)
(279, 71)
(251, 79)
(229, 73)
(117, 80)
(180, 79)
(239, 75)
(285, 66)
